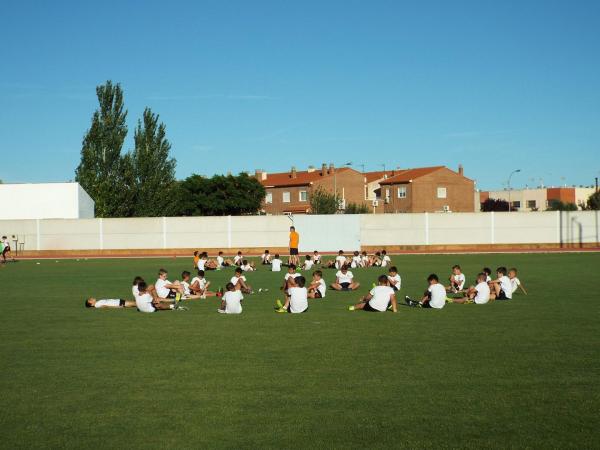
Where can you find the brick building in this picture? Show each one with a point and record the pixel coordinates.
(539, 199)
(428, 189)
(289, 192)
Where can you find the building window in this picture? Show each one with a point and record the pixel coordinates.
(531, 204)
(441, 192)
(302, 196)
(402, 192)
(516, 204)
(269, 198)
(286, 197)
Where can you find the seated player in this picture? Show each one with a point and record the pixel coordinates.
(457, 280)
(196, 258)
(232, 300)
(308, 263)
(434, 297)
(317, 287)
(376, 259)
(365, 260)
(394, 278)
(276, 263)
(239, 282)
(316, 257)
(515, 282)
(289, 280)
(296, 299)
(340, 260)
(247, 266)
(222, 262)
(343, 280)
(134, 289)
(6, 251)
(238, 259)
(109, 303)
(379, 299)
(385, 259)
(199, 286)
(501, 287)
(188, 294)
(265, 258)
(147, 303)
(479, 294)
(165, 289)
(355, 261)
(488, 273)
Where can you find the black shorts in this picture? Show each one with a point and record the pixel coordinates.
(502, 296)
(121, 302)
(345, 286)
(293, 251)
(289, 310)
(394, 288)
(369, 308)
(172, 294)
(318, 294)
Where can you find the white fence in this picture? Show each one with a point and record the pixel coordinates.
(326, 233)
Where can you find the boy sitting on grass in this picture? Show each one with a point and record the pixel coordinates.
(289, 280)
(247, 266)
(317, 287)
(501, 287)
(308, 263)
(147, 303)
(239, 282)
(296, 299)
(394, 278)
(479, 294)
(199, 286)
(265, 258)
(188, 294)
(232, 300)
(379, 299)
(165, 289)
(276, 263)
(515, 283)
(343, 281)
(457, 280)
(434, 297)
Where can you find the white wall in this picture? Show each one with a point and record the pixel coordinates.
(45, 201)
(325, 233)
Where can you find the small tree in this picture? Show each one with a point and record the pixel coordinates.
(494, 204)
(356, 208)
(323, 202)
(557, 205)
(594, 201)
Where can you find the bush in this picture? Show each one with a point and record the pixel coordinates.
(356, 208)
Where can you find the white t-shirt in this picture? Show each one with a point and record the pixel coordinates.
(247, 268)
(293, 275)
(381, 297)
(161, 289)
(233, 301)
(317, 259)
(238, 259)
(459, 279)
(220, 261)
(201, 263)
(515, 283)
(322, 287)
(483, 293)
(276, 265)
(144, 303)
(201, 282)
(308, 264)
(355, 262)
(385, 260)
(397, 281)
(438, 296)
(186, 288)
(506, 286)
(344, 278)
(234, 280)
(488, 278)
(340, 261)
(134, 290)
(266, 257)
(110, 302)
(298, 299)
(364, 260)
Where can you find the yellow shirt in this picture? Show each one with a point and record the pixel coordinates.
(294, 239)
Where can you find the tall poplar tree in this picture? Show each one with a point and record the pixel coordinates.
(153, 169)
(102, 171)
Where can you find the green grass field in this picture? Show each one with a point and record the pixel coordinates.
(521, 373)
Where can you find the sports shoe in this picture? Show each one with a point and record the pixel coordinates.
(278, 304)
(181, 308)
(351, 308)
(449, 300)
(177, 298)
(281, 310)
(221, 311)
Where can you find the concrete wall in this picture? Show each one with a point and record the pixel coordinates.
(45, 201)
(325, 233)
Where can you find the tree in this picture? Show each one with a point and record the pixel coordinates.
(593, 201)
(493, 204)
(102, 171)
(557, 205)
(356, 208)
(221, 195)
(153, 170)
(323, 202)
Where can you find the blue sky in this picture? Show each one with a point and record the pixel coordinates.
(242, 85)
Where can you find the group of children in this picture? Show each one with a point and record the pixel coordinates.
(167, 295)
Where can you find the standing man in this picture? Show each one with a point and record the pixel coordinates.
(294, 241)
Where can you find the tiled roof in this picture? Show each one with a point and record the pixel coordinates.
(378, 175)
(303, 178)
(410, 174)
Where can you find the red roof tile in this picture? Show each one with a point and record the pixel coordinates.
(410, 174)
(378, 175)
(303, 178)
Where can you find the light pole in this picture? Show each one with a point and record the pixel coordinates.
(510, 189)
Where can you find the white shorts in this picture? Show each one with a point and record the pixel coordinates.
(146, 308)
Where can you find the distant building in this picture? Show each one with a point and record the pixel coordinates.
(289, 192)
(427, 189)
(45, 201)
(539, 199)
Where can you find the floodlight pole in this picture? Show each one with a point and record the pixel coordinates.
(510, 189)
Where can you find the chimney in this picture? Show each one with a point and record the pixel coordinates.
(324, 170)
(293, 173)
(331, 169)
(461, 171)
(260, 175)
(311, 169)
